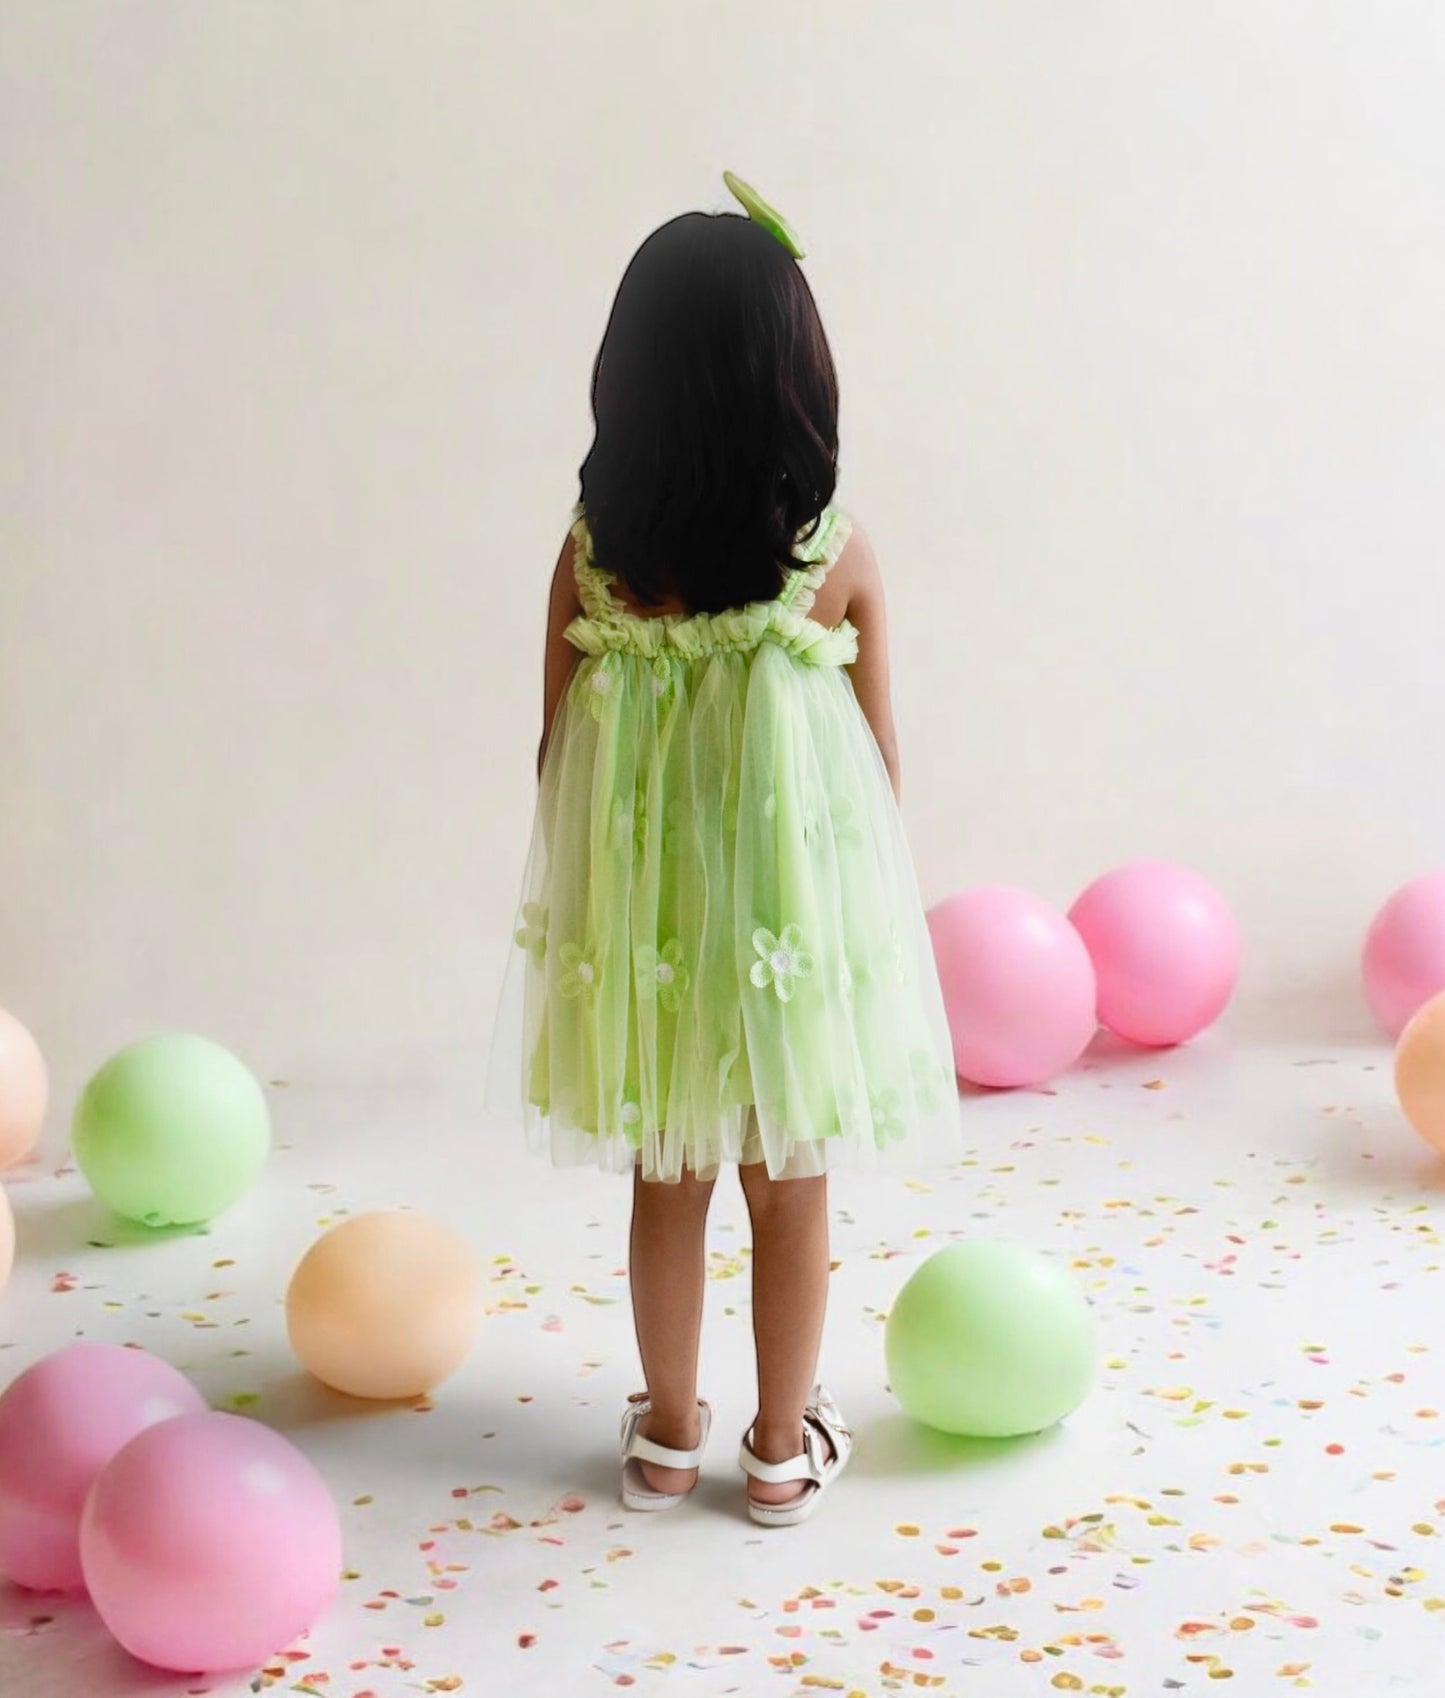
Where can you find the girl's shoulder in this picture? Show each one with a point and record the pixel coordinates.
(849, 571)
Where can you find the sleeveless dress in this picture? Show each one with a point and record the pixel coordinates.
(721, 953)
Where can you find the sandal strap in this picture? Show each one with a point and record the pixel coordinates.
(825, 1439)
(638, 1444)
(799, 1467)
(811, 1463)
(650, 1451)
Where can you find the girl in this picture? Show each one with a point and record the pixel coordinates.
(722, 955)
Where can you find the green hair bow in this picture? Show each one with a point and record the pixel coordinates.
(761, 213)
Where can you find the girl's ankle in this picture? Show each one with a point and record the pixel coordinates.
(677, 1430)
(777, 1441)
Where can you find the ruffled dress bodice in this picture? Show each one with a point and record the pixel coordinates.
(606, 624)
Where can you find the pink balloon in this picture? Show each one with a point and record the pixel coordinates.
(1404, 960)
(209, 1544)
(61, 1421)
(1165, 946)
(1017, 984)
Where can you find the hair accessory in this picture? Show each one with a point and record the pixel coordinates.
(761, 213)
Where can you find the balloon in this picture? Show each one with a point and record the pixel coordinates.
(1017, 984)
(991, 1340)
(1404, 956)
(61, 1421)
(1420, 1072)
(7, 1241)
(172, 1130)
(24, 1090)
(210, 1543)
(1165, 947)
(384, 1305)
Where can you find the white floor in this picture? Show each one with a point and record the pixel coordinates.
(1256, 1490)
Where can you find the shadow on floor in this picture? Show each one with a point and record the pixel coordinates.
(894, 1446)
(62, 1639)
(60, 1228)
(291, 1399)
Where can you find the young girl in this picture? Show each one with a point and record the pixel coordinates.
(722, 955)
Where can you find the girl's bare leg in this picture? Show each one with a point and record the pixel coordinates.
(790, 1297)
(666, 1268)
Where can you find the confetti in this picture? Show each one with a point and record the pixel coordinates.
(1250, 1501)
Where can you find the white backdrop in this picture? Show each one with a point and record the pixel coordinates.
(1137, 309)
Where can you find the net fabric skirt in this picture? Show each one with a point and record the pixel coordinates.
(721, 954)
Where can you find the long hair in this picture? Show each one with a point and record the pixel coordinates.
(715, 401)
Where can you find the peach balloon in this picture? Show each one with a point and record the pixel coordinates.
(384, 1305)
(24, 1089)
(7, 1240)
(1420, 1072)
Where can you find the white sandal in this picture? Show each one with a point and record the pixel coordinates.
(823, 1428)
(637, 1493)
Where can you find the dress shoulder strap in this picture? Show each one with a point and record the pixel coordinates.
(818, 554)
(594, 586)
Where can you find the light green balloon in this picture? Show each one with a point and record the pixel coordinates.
(171, 1130)
(991, 1340)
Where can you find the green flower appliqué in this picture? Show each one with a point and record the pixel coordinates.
(661, 974)
(845, 832)
(579, 971)
(663, 685)
(629, 825)
(886, 1109)
(532, 934)
(931, 1078)
(782, 961)
(831, 822)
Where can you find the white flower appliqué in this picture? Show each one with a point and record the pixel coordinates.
(661, 974)
(579, 971)
(782, 961)
(601, 687)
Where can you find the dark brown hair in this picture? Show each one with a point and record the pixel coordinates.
(715, 401)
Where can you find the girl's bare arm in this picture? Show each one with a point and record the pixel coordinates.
(861, 588)
(561, 657)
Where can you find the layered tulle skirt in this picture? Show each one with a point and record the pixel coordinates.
(720, 953)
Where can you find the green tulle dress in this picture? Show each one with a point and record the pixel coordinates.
(721, 953)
